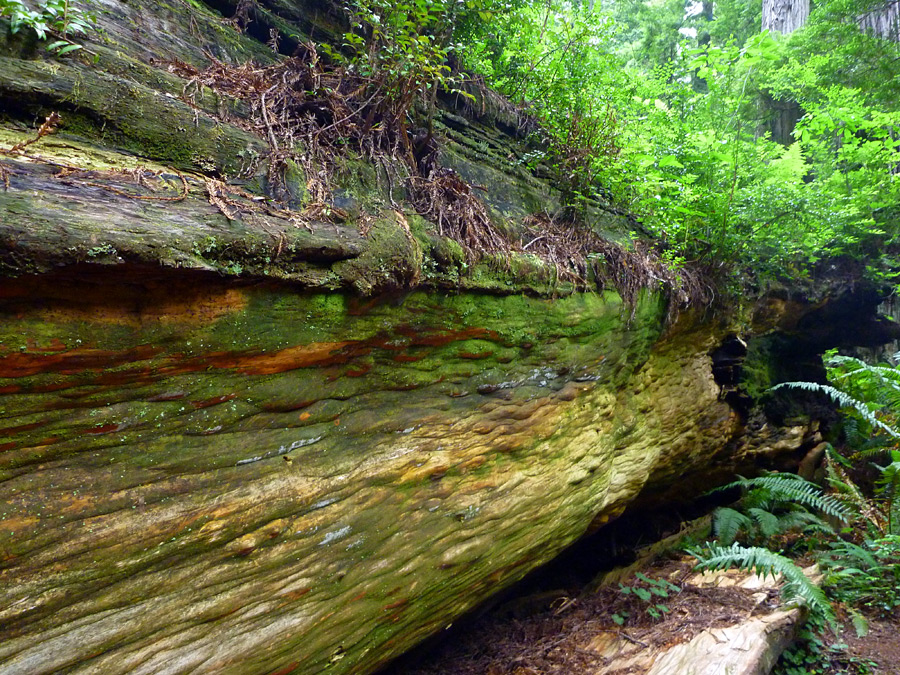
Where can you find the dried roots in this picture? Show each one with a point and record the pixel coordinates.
(450, 202)
(580, 255)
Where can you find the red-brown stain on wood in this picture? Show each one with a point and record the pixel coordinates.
(12, 431)
(297, 594)
(394, 605)
(359, 372)
(74, 360)
(104, 429)
(290, 668)
(216, 400)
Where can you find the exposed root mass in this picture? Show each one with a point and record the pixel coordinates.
(310, 112)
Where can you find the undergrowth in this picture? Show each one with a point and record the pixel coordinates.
(852, 531)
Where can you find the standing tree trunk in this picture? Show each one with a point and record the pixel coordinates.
(784, 16)
(882, 20)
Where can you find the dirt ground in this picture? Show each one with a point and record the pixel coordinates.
(881, 645)
(550, 633)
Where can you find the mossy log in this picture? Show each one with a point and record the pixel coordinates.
(200, 476)
(235, 438)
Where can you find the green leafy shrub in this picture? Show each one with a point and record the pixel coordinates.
(812, 654)
(62, 19)
(865, 576)
(668, 126)
(648, 594)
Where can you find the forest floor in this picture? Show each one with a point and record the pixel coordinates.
(881, 645)
(570, 631)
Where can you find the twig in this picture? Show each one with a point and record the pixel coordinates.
(625, 635)
(265, 116)
(47, 128)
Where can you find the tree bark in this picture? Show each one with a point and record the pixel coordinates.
(882, 21)
(784, 16)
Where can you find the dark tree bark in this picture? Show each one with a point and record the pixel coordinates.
(783, 16)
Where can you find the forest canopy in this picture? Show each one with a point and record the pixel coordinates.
(748, 151)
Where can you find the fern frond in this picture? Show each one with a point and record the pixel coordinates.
(844, 400)
(804, 521)
(889, 486)
(852, 554)
(765, 563)
(788, 487)
(889, 481)
(853, 496)
(881, 372)
(727, 523)
(767, 522)
(877, 446)
(847, 491)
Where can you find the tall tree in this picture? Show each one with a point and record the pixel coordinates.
(784, 16)
(882, 20)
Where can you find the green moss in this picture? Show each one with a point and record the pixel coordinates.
(759, 367)
(391, 261)
(130, 116)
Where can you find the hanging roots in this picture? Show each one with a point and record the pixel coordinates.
(450, 202)
(579, 254)
(47, 128)
(304, 104)
(311, 112)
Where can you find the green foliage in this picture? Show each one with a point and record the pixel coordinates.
(845, 400)
(888, 489)
(870, 399)
(865, 576)
(558, 62)
(775, 504)
(647, 592)
(664, 113)
(764, 562)
(811, 654)
(401, 46)
(62, 19)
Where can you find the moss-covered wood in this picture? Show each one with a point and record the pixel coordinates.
(210, 477)
(239, 438)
